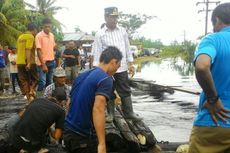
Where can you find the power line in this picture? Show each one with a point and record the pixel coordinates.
(206, 10)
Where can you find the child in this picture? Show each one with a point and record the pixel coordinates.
(13, 69)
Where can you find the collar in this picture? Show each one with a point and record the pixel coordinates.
(105, 28)
(45, 34)
(28, 32)
(227, 29)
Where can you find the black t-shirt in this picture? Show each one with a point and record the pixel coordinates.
(38, 117)
(71, 61)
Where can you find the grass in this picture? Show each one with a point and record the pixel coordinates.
(146, 58)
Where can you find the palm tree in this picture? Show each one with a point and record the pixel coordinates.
(12, 20)
(45, 9)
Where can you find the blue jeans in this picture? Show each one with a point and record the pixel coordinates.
(46, 79)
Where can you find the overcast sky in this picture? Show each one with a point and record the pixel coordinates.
(176, 18)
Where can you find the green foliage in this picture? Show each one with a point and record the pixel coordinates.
(12, 20)
(148, 43)
(184, 50)
(132, 22)
(58, 35)
(45, 9)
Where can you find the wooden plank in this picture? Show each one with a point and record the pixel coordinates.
(151, 85)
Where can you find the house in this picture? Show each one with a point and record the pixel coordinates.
(79, 38)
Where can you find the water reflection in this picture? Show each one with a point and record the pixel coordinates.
(170, 118)
(176, 64)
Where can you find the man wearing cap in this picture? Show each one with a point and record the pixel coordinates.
(59, 81)
(113, 35)
(29, 132)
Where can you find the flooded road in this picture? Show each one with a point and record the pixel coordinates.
(170, 118)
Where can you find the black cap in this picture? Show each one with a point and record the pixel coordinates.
(111, 11)
(59, 93)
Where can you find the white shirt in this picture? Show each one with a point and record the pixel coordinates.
(81, 52)
(118, 38)
(12, 58)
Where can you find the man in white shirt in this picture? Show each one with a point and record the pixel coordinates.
(113, 35)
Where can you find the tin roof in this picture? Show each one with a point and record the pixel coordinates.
(76, 36)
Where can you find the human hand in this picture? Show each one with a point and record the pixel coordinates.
(101, 148)
(217, 110)
(44, 68)
(131, 70)
(13, 62)
(72, 56)
(28, 66)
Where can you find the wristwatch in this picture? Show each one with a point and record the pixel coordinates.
(213, 100)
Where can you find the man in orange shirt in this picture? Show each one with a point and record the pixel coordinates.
(45, 44)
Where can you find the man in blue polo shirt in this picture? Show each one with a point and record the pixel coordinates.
(211, 131)
(85, 121)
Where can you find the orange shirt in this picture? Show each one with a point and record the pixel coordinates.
(46, 43)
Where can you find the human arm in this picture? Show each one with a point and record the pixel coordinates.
(205, 80)
(103, 93)
(64, 55)
(28, 50)
(56, 134)
(96, 51)
(28, 58)
(59, 126)
(43, 64)
(78, 60)
(99, 121)
(39, 53)
(129, 55)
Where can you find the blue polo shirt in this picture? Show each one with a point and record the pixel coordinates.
(2, 59)
(86, 86)
(217, 46)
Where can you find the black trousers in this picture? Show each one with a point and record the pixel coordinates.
(17, 144)
(121, 85)
(76, 143)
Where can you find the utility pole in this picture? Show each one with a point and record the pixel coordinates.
(206, 10)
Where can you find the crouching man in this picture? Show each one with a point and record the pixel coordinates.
(29, 132)
(85, 121)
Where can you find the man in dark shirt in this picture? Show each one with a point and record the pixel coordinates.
(29, 132)
(72, 61)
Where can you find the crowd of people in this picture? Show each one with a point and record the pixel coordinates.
(31, 63)
(79, 112)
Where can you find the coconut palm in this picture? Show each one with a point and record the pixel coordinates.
(12, 20)
(45, 9)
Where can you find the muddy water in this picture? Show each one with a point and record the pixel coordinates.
(10, 106)
(171, 117)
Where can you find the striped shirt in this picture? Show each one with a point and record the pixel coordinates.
(118, 38)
